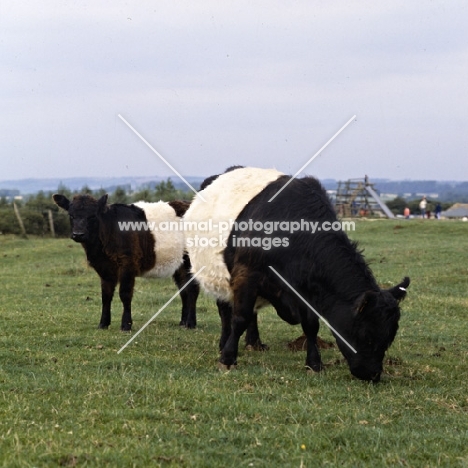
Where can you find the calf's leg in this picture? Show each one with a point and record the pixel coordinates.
(127, 283)
(107, 293)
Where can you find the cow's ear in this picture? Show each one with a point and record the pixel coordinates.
(179, 206)
(102, 204)
(367, 300)
(62, 201)
(399, 291)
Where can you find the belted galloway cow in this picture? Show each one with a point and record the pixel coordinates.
(121, 244)
(252, 256)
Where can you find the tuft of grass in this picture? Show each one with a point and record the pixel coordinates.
(67, 399)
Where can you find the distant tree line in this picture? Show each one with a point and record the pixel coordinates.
(412, 189)
(9, 193)
(36, 211)
(398, 205)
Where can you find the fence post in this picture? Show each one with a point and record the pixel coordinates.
(51, 223)
(20, 221)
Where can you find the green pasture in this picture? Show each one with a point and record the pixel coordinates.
(68, 399)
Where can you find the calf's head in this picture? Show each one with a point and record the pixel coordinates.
(83, 211)
(373, 331)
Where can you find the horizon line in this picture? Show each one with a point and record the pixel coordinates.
(381, 179)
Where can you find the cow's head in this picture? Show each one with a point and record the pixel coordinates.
(83, 211)
(373, 330)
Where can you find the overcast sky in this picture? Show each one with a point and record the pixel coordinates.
(215, 83)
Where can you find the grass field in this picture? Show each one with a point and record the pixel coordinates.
(68, 399)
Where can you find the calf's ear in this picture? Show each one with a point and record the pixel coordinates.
(399, 291)
(62, 201)
(102, 204)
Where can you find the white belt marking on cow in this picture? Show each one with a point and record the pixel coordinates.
(227, 197)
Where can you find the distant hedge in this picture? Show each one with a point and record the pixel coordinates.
(34, 211)
(35, 223)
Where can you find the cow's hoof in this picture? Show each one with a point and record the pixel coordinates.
(315, 368)
(226, 367)
(188, 325)
(126, 330)
(257, 347)
(103, 327)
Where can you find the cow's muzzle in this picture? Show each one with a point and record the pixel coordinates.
(364, 374)
(78, 236)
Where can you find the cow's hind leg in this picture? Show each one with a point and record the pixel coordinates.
(107, 293)
(252, 336)
(127, 283)
(189, 294)
(189, 305)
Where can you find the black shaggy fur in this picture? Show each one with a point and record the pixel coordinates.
(120, 256)
(211, 179)
(325, 268)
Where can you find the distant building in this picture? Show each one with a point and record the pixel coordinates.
(459, 210)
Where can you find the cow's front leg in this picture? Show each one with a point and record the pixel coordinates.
(225, 314)
(313, 359)
(242, 314)
(107, 293)
(127, 282)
